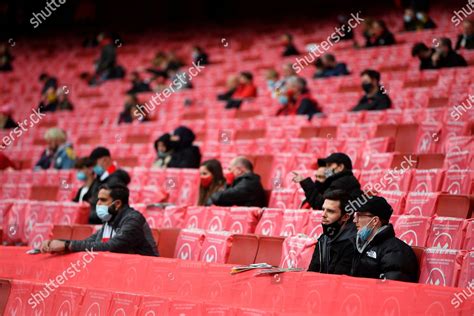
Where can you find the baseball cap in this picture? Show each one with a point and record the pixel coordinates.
(339, 158)
(378, 206)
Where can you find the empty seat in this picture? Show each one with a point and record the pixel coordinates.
(80, 232)
(5, 289)
(188, 244)
(429, 180)
(244, 249)
(167, 238)
(413, 230)
(297, 252)
(62, 232)
(269, 250)
(440, 267)
(270, 222)
(447, 233)
(450, 205)
(294, 222)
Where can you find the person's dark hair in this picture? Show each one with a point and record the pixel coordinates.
(218, 180)
(418, 48)
(118, 191)
(338, 195)
(84, 162)
(446, 42)
(43, 76)
(319, 63)
(98, 153)
(247, 75)
(165, 139)
(382, 24)
(373, 74)
(330, 57)
(247, 164)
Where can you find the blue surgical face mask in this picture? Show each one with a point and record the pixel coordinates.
(271, 84)
(362, 236)
(161, 154)
(81, 176)
(104, 212)
(98, 170)
(283, 99)
(328, 172)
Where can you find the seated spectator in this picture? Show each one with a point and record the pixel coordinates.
(290, 48)
(244, 187)
(231, 84)
(173, 63)
(446, 57)
(6, 120)
(106, 172)
(272, 78)
(413, 21)
(124, 230)
(85, 174)
(424, 54)
(300, 101)
(288, 72)
(6, 163)
(163, 151)
(212, 180)
(334, 250)
(379, 254)
(374, 98)
(63, 103)
(49, 101)
(466, 38)
(131, 112)
(180, 80)
(339, 176)
(106, 66)
(199, 56)
(185, 154)
(138, 84)
(326, 66)
(366, 31)
(344, 20)
(48, 82)
(6, 58)
(245, 90)
(59, 154)
(379, 35)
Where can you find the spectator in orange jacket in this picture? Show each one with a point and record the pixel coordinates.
(245, 90)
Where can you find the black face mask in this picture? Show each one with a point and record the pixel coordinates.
(174, 144)
(367, 87)
(333, 229)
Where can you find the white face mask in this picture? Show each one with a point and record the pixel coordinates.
(328, 172)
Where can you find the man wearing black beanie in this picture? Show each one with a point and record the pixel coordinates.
(379, 254)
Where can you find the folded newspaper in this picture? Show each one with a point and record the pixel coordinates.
(277, 270)
(253, 266)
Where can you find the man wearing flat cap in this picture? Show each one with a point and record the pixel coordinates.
(339, 176)
(379, 254)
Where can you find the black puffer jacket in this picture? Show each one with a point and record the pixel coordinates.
(386, 257)
(343, 180)
(335, 255)
(246, 190)
(185, 154)
(132, 235)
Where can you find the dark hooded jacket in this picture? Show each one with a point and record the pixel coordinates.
(185, 154)
(386, 257)
(343, 180)
(335, 255)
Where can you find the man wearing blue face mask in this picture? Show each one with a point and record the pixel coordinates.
(379, 254)
(106, 173)
(338, 176)
(124, 229)
(85, 175)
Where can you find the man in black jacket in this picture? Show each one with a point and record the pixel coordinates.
(124, 230)
(335, 249)
(424, 54)
(338, 176)
(243, 188)
(446, 57)
(185, 154)
(375, 96)
(106, 173)
(379, 254)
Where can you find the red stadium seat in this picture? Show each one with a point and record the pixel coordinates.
(216, 218)
(457, 182)
(467, 271)
(453, 206)
(243, 220)
(62, 232)
(189, 244)
(440, 267)
(270, 222)
(294, 222)
(244, 249)
(5, 289)
(195, 217)
(297, 252)
(216, 247)
(166, 241)
(269, 250)
(421, 204)
(427, 180)
(413, 230)
(447, 233)
(80, 232)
